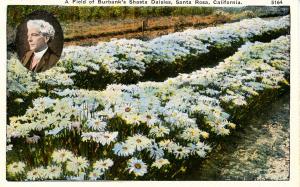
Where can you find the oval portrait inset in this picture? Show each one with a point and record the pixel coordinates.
(39, 41)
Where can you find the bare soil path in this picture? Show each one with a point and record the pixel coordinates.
(90, 33)
(259, 151)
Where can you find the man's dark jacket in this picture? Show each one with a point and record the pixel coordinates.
(48, 60)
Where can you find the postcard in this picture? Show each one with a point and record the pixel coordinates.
(150, 92)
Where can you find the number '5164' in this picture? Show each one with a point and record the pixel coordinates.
(276, 2)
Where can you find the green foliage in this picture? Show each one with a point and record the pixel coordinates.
(17, 13)
(193, 11)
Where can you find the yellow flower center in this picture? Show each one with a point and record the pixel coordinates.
(127, 109)
(137, 166)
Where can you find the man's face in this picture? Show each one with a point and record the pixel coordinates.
(37, 42)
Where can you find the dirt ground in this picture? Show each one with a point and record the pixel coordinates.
(90, 33)
(93, 32)
(260, 151)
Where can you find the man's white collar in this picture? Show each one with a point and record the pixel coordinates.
(39, 55)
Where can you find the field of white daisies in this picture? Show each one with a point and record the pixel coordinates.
(142, 110)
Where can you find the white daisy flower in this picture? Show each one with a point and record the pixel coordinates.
(77, 164)
(160, 162)
(96, 124)
(239, 101)
(43, 102)
(181, 152)
(72, 167)
(36, 174)
(140, 142)
(132, 118)
(151, 119)
(95, 174)
(168, 145)
(53, 172)
(125, 108)
(155, 151)
(202, 153)
(106, 138)
(138, 167)
(16, 168)
(222, 130)
(32, 140)
(199, 148)
(103, 165)
(191, 134)
(107, 112)
(159, 131)
(80, 68)
(123, 149)
(62, 155)
(62, 107)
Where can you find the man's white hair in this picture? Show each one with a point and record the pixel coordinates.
(44, 27)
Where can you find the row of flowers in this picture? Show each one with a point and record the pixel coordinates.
(151, 130)
(128, 61)
(23, 86)
(22, 81)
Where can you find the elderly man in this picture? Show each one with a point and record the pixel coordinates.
(40, 57)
